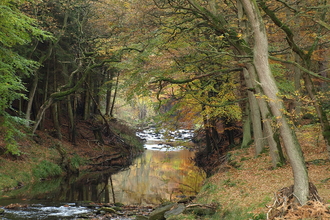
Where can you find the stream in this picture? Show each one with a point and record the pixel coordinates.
(162, 173)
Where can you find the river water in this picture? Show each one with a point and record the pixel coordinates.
(162, 173)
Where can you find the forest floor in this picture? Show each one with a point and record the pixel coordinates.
(245, 186)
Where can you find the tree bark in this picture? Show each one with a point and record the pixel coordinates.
(247, 138)
(108, 95)
(306, 59)
(275, 149)
(255, 116)
(293, 149)
(31, 98)
(114, 96)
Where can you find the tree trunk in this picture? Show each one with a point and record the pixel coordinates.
(56, 122)
(114, 96)
(60, 94)
(44, 99)
(87, 103)
(207, 133)
(293, 149)
(306, 59)
(72, 124)
(31, 98)
(247, 138)
(275, 149)
(108, 96)
(41, 113)
(297, 87)
(255, 116)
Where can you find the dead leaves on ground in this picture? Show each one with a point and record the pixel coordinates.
(285, 206)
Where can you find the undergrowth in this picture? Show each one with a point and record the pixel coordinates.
(46, 169)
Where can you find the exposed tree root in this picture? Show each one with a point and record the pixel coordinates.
(285, 206)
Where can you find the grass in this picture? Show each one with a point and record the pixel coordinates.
(46, 169)
(244, 192)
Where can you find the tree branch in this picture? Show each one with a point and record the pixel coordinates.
(183, 81)
(301, 68)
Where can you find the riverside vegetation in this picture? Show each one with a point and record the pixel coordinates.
(242, 188)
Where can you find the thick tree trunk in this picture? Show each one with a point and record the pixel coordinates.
(274, 145)
(306, 59)
(293, 149)
(255, 116)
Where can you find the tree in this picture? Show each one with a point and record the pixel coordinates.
(16, 29)
(316, 16)
(293, 149)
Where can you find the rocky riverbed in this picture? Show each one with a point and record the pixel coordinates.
(90, 210)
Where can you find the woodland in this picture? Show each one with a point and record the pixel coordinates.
(242, 73)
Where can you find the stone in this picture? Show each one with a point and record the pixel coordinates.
(107, 209)
(141, 217)
(200, 211)
(2, 211)
(158, 213)
(176, 210)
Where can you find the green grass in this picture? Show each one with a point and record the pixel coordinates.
(6, 181)
(46, 169)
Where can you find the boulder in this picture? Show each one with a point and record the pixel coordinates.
(158, 213)
(107, 209)
(2, 211)
(176, 210)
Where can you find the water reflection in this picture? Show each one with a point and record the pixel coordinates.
(161, 173)
(158, 176)
(154, 177)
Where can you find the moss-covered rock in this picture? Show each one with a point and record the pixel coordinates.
(107, 209)
(158, 213)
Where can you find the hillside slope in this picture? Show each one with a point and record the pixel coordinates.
(245, 186)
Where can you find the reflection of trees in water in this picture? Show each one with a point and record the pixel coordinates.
(157, 176)
(153, 178)
(150, 180)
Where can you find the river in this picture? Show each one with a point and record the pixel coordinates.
(162, 173)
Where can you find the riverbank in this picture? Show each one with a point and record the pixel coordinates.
(45, 157)
(245, 185)
(242, 188)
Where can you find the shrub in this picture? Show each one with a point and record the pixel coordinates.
(46, 169)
